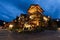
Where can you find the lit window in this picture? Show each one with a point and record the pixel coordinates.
(45, 18)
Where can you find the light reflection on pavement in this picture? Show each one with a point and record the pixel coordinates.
(46, 35)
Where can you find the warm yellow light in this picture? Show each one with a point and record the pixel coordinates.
(45, 18)
(10, 26)
(19, 18)
(33, 10)
(36, 22)
(59, 29)
(27, 25)
(20, 30)
(32, 16)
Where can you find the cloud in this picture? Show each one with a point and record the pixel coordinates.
(11, 8)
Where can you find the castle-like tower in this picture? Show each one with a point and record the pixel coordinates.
(35, 15)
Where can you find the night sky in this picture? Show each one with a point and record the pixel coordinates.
(9, 9)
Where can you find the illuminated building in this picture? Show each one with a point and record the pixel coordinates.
(31, 21)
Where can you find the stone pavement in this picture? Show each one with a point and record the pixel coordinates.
(47, 35)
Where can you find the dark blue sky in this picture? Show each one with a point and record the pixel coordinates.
(9, 9)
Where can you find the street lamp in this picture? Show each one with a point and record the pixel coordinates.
(10, 26)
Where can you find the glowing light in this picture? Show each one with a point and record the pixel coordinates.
(59, 29)
(48, 16)
(4, 23)
(27, 25)
(20, 30)
(32, 10)
(45, 18)
(36, 22)
(19, 18)
(57, 20)
(32, 16)
(10, 26)
(35, 8)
